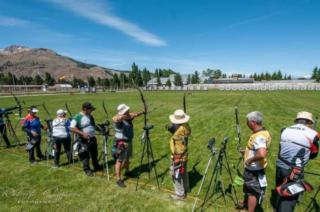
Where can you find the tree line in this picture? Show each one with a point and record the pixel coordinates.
(141, 77)
(276, 75)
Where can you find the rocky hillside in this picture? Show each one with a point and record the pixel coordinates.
(20, 60)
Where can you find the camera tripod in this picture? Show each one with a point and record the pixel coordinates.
(216, 177)
(104, 130)
(11, 130)
(147, 150)
(313, 202)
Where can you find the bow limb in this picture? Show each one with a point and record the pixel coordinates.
(68, 109)
(105, 109)
(184, 103)
(145, 106)
(18, 104)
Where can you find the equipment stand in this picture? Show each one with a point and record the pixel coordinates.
(313, 202)
(11, 130)
(147, 150)
(216, 177)
(104, 129)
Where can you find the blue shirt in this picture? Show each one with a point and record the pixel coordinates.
(32, 124)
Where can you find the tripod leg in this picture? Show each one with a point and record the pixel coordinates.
(202, 181)
(12, 132)
(148, 157)
(222, 188)
(230, 175)
(105, 156)
(141, 160)
(213, 176)
(313, 201)
(238, 164)
(153, 164)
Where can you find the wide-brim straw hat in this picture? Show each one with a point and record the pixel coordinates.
(122, 109)
(179, 117)
(305, 115)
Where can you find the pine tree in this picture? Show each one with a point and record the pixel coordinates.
(168, 83)
(91, 81)
(38, 80)
(178, 80)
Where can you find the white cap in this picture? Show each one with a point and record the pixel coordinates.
(179, 117)
(122, 109)
(305, 115)
(34, 110)
(61, 112)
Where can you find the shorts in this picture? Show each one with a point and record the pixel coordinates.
(122, 150)
(251, 186)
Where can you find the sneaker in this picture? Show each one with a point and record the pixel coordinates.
(121, 184)
(241, 205)
(89, 173)
(177, 197)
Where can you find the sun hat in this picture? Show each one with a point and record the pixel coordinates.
(33, 109)
(61, 112)
(305, 115)
(122, 109)
(179, 117)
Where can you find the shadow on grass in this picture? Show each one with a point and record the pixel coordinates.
(194, 176)
(147, 167)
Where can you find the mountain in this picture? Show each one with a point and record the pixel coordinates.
(24, 61)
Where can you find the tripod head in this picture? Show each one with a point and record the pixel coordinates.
(210, 145)
(224, 144)
(148, 127)
(103, 128)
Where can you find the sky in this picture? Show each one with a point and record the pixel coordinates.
(236, 36)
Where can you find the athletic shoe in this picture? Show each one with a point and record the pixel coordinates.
(89, 173)
(121, 184)
(177, 197)
(241, 205)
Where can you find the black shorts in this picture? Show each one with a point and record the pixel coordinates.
(251, 186)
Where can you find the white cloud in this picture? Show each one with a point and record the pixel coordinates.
(12, 22)
(100, 13)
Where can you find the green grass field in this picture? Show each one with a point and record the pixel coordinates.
(39, 187)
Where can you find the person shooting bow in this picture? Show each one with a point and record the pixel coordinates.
(299, 143)
(180, 130)
(61, 136)
(255, 162)
(83, 125)
(32, 126)
(122, 145)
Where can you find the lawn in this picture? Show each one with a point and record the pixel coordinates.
(39, 187)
